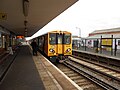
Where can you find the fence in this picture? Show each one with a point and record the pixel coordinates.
(109, 46)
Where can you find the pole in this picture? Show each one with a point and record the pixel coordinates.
(112, 45)
(79, 31)
(115, 48)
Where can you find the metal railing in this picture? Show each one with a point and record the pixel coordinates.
(107, 46)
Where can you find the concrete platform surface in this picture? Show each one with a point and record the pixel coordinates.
(35, 73)
(22, 75)
(52, 77)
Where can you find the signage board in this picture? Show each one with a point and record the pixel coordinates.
(3, 16)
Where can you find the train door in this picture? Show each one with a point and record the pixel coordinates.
(59, 43)
(67, 44)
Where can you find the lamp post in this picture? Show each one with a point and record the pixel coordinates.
(79, 32)
(79, 36)
(25, 7)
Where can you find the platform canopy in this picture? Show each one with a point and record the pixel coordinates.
(26, 17)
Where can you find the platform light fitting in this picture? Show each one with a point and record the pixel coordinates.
(25, 7)
(25, 29)
(25, 23)
(25, 33)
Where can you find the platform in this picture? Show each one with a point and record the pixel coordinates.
(29, 72)
(22, 75)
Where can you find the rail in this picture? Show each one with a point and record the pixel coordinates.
(88, 73)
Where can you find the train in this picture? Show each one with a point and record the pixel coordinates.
(55, 45)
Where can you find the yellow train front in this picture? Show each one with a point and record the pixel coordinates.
(56, 45)
(67, 44)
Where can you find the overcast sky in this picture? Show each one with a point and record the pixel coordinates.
(86, 16)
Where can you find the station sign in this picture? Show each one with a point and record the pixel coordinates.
(3, 16)
(20, 37)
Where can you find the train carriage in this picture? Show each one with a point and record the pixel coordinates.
(56, 45)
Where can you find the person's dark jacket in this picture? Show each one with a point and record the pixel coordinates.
(34, 45)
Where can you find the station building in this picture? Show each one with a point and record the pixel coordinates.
(105, 33)
(113, 33)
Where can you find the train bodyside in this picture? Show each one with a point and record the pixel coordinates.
(43, 43)
(47, 46)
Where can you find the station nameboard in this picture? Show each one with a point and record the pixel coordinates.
(20, 37)
(107, 42)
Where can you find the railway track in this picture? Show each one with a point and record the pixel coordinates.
(113, 67)
(98, 58)
(106, 70)
(104, 77)
(79, 79)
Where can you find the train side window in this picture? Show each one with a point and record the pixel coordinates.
(52, 38)
(67, 38)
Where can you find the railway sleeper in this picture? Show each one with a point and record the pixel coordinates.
(97, 79)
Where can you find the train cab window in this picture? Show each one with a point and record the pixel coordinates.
(52, 38)
(59, 38)
(67, 38)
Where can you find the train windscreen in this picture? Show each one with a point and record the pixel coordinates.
(67, 38)
(52, 38)
(59, 38)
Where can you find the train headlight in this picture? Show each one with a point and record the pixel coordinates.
(68, 50)
(51, 50)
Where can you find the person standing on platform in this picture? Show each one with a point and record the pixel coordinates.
(34, 47)
(10, 50)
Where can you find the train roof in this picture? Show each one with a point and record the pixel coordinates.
(57, 31)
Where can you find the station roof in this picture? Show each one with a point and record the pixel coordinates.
(106, 33)
(97, 36)
(26, 17)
